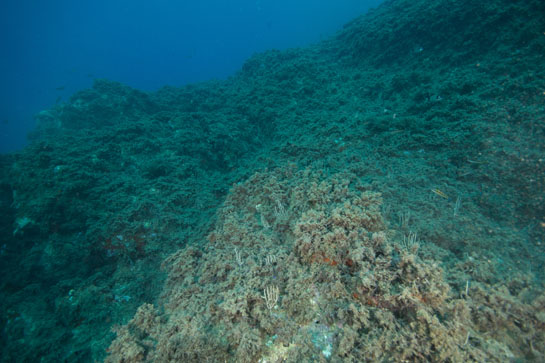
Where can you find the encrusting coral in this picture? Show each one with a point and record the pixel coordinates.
(343, 289)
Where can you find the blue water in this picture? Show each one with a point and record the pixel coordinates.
(52, 49)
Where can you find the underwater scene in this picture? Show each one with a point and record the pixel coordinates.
(378, 196)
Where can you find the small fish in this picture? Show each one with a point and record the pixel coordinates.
(477, 161)
(440, 193)
(5, 121)
(60, 88)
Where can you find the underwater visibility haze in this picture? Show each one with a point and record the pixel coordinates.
(51, 49)
(373, 195)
